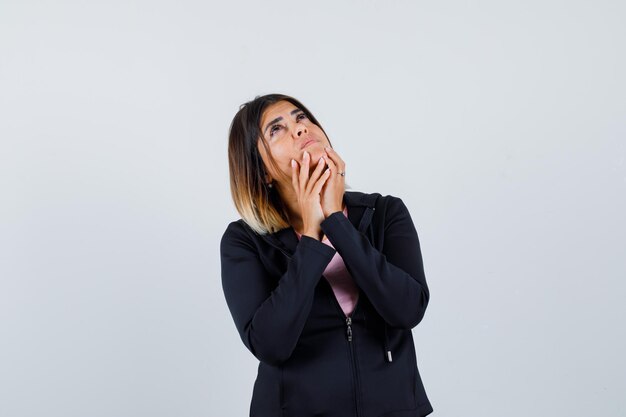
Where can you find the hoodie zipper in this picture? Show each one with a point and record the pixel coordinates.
(349, 329)
(353, 367)
(350, 337)
(348, 319)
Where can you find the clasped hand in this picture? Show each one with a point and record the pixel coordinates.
(321, 193)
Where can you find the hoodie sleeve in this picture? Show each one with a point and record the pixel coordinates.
(393, 279)
(270, 317)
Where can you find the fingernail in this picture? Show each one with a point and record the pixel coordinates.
(293, 163)
(321, 160)
(306, 154)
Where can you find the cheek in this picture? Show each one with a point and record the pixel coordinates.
(320, 134)
(283, 158)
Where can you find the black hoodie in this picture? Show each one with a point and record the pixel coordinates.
(315, 361)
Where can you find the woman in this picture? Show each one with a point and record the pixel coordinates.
(324, 284)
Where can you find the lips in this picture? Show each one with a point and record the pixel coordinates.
(307, 142)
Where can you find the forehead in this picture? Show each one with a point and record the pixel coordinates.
(281, 108)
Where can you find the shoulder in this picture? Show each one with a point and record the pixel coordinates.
(238, 233)
(389, 210)
(234, 228)
(375, 200)
(390, 202)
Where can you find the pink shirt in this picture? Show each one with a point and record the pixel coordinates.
(346, 291)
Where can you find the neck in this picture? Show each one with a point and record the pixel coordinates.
(290, 201)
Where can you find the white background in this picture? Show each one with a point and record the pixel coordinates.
(500, 124)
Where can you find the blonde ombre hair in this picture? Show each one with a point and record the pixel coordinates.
(259, 205)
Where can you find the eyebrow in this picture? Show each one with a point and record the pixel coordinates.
(278, 119)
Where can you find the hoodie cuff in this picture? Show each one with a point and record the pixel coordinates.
(335, 223)
(318, 246)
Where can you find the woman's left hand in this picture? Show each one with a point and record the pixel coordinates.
(333, 190)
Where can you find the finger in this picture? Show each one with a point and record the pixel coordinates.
(316, 173)
(320, 183)
(294, 176)
(334, 170)
(335, 158)
(304, 171)
(332, 166)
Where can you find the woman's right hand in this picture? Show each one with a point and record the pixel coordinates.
(308, 193)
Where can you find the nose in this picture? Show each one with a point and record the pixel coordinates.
(300, 129)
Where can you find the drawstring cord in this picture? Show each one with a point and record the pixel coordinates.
(387, 350)
(365, 220)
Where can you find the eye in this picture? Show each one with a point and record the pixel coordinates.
(274, 129)
(298, 118)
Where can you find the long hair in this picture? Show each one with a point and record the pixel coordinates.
(260, 206)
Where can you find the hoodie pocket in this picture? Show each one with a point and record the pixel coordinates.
(388, 386)
(316, 382)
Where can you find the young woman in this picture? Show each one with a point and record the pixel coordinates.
(324, 284)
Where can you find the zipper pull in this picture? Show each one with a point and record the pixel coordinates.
(349, 330)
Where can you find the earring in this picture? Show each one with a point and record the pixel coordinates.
(270, 185)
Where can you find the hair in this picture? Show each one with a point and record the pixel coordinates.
(259, 205)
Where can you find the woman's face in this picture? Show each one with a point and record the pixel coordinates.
(288, 133)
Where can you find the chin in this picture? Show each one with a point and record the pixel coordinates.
(316, 151)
